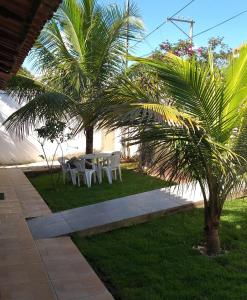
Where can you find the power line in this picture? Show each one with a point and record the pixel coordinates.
(221, 23)
(188, 21)
(146, 36)
(146, 54)
(163, 23)
(149, 45)
(182, 8)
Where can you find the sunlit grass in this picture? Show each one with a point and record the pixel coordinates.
(66, 196)
(156, 260)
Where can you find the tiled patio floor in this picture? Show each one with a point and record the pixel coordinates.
(16, 186)
(45, 269)
(22, 273)
(115, 213)
(69, 272)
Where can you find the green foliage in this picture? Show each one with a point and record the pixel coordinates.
(52, 130)
(195, 126)
(77, 56)
(218, 102)
(184, 48)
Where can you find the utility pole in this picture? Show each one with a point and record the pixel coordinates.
(127, 7)
(174, 21)
(125, 132)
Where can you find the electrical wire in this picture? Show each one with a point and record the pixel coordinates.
(163, 23)
(144, 55)
(221, 23)
(208, 29)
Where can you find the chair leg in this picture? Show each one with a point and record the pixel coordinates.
(99, 175)
(79, 180)
(73, 177)
(85, 178)
(120, 173)
(88, 176)
(109, 175)
(89, 179)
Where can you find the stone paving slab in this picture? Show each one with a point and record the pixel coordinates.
(115, 213)
(22, 272)
(69, 272)
(16, 186)
(51, 269)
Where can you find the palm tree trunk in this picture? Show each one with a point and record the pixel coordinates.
(89, 139)
(212, 233)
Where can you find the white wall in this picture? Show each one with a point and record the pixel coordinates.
(16, 151)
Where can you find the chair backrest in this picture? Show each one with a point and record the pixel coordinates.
(63, 163)
(115, 160)
(62, 160)
(80, 164)
(117, 152)
(88, 156)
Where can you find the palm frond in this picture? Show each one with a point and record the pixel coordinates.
(236, 83)
(24, 87)
(46, 106)
(195, 92)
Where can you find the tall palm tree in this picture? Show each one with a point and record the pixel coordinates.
(210, 146)
(78, 54)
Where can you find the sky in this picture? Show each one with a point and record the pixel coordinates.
(205, 13)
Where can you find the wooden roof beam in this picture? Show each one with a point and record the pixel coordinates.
(8, 14)
(4, 76)
(19, 7)
(8, 50)
(20, 24)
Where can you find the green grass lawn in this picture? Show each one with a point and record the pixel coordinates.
(156, 260)
(66, 196)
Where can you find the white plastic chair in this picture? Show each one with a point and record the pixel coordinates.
(94, 165)
(86, 173)
(74, 173)
(112, 167)
(117, 152)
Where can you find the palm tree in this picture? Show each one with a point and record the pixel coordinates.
(210, 146)
(78, 54)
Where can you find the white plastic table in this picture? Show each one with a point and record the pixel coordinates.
(97, 163)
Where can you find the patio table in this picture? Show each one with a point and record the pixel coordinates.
(97, 159)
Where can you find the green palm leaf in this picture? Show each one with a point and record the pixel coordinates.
(46, 106)
(78, 55)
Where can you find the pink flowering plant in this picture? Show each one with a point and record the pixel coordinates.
(184, 49)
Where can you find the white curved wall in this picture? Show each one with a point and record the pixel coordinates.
(16, 151)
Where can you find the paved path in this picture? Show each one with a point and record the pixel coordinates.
(22, 273)
(16, 186)
(51, 269)
(116, 213)
(71, 277)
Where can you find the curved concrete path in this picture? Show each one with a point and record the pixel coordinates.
(108, 215)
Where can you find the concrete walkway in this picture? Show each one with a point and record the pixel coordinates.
(70, 275)
(51, 269)
(109, 215)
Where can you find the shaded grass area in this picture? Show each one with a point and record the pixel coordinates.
(66, 196)
(156, 260)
